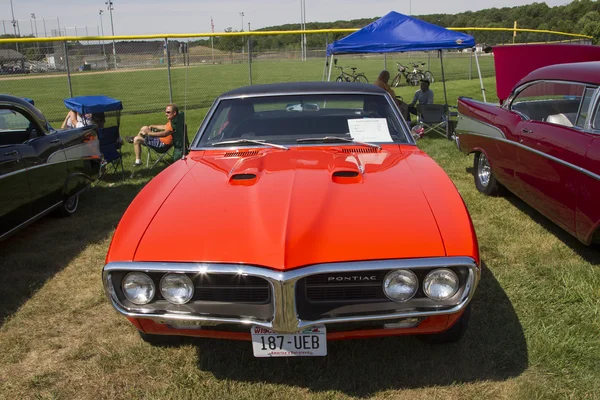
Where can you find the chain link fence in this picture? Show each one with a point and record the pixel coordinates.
(146, 74)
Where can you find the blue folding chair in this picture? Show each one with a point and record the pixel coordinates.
(105, 112)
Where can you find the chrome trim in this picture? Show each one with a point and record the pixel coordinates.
(540, 153)
(474, 121)
(283, 284)
(30, 220)
(13, 172)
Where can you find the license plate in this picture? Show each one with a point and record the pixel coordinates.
(307, 343)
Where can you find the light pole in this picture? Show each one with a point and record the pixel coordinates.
(35, 24)
(410, 7)
(242, 15)
(109, 6)
(14, 23)
(102, 27)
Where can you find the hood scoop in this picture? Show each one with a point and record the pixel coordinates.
(244, 153)
(346, 176)
(360, 150)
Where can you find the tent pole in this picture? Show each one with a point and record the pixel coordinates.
(480, 80)
(443, 78)
(330, 67)
(325, 68)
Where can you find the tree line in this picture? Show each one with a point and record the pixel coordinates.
(579, 16)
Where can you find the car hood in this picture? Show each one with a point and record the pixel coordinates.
(285, 209)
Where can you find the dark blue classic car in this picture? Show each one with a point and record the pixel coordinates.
(41, 169)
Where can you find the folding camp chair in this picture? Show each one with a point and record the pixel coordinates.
(105, 112)
(433, 117)
(179, 144)
(110, 147)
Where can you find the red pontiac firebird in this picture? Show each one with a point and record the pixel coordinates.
(304, 212)
(543, 142)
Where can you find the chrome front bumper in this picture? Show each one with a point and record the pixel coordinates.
(283, 285)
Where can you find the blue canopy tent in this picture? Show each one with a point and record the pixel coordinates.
(396, 33)
(93, 104)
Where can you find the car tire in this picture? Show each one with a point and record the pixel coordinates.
(454, 334)
(69, 206)
(485, 181)
(160, 340)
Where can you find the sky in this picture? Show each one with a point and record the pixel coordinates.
(134, 17)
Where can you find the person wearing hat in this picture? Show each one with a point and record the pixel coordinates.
(422, 96)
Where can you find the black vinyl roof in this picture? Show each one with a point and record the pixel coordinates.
(304, 87)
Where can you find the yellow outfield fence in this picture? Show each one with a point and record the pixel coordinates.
(148, 71)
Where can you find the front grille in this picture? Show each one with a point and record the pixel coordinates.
(232, 288)
(334, 287)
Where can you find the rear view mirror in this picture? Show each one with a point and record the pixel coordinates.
(335, 61)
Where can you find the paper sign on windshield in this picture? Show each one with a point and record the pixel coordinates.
(369, 130)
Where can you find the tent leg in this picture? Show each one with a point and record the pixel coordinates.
(443, 78)
(480, 79)
(325, 68)
(330, 68)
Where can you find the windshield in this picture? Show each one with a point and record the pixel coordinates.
(291, 120)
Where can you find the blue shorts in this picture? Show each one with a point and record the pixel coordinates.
(154, 141)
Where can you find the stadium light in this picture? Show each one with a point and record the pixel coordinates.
(109, 6)
(14, 24)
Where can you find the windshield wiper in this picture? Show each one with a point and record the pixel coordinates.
(249, 141)
(336, 139)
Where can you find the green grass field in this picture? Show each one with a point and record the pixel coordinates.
(534, 331)
(196, 86)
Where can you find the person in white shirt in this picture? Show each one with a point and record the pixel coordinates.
(422, 96)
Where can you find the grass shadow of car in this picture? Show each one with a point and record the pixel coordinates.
(493, 348)
(37, 252)
(588, 253)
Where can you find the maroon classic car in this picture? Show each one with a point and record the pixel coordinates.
(542, 143)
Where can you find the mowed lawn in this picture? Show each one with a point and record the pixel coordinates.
(534, 332)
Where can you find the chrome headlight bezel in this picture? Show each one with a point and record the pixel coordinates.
(450, 275)
(183, 281)
(408, 276)
(140, 279)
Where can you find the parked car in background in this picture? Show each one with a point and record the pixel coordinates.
(542, 144)
(303, 213)
(41, 169)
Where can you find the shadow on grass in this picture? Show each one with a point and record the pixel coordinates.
(493, 348)
(588, 253)
(39, 251)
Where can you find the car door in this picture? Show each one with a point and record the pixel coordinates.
(43, 156)
(552, 147)
(15, 207)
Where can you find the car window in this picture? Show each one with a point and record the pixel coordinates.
(286, 119)
(552, 102)
(15, 128)
(585, 106)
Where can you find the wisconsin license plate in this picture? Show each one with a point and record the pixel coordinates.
(309, 342)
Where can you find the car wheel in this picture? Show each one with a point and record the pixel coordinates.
(485, 181)
(160, 340)
(69, 206)
(454, 334)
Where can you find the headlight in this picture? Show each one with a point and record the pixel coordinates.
(177, 288)
(400, 285)
(440, 284)
(138, 288)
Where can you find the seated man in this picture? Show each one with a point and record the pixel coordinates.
(423, 96)
(382, 82)
(155, 136)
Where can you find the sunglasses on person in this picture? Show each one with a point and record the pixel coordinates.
(168, 112)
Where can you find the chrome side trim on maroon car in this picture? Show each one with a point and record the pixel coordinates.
(284, 315)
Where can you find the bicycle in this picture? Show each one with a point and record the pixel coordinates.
(428, 75)
(352, 77)
(412, 78)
